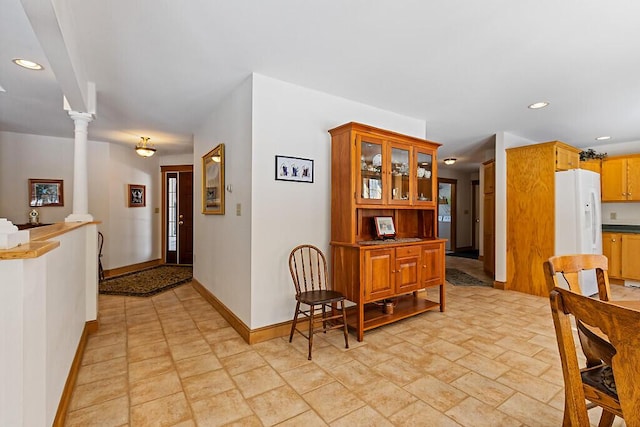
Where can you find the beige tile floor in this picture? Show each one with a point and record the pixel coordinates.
(172, 360)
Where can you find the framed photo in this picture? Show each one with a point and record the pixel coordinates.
(384, 226)
(294, 169)
(137, 196)
(46, 192)
(213, 181)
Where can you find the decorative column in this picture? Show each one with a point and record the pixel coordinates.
(80, 182)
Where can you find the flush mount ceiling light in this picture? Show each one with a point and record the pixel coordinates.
(538, 105)
(603, 138)
(450, 160)
(145, 149)
(25, 63)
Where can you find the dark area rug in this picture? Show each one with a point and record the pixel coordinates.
(465, 254)
(460, 278)
(147, 282)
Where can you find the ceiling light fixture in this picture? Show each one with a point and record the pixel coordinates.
(603, 138)
(450, 160)
(538, 105)
(145, 149)
(25, 63)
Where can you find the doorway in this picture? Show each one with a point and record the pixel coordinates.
(177, 214)
(475, 214)
(447, 212)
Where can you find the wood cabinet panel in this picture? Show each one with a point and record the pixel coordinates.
(378, 274)
(432, 261)
(614, 180)
(633, 179)
(407, 270)
(611, 249)
(630, 256)
(594, 165)
(567, 158)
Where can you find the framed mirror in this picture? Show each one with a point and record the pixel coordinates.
(213, 181)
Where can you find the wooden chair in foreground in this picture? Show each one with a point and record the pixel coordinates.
(308, 267)
(620, 397)
(569, 266)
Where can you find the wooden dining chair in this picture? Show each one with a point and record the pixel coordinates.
(570, 266)
(594, 350)
(308, 267)
(614, 386)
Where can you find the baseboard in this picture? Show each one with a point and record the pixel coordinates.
(499, 285)
(89, 328)
(131, 268)
(251, 336)
(616, 281)
(463, 249)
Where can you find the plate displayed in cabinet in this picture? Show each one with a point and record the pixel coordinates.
(377, 160)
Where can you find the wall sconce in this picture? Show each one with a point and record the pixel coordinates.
(145, 149)
(450, 160)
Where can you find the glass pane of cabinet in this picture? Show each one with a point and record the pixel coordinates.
(424, 189)
(399, 173)
(370, 170)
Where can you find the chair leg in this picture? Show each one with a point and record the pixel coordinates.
(324, 316)
(344, 323)
(606, 419)
(311, 307)
(295, 321)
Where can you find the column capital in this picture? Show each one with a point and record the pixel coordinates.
(82, 117)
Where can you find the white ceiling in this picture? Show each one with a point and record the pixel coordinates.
(468, 68)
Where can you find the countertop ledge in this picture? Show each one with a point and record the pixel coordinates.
(39, 243)
(621, 228)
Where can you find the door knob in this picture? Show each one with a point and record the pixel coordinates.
(180, 222)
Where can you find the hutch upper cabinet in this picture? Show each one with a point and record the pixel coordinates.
(375, 172)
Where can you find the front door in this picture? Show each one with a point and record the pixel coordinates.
(178, 214)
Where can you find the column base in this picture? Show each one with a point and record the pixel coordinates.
(79, 218)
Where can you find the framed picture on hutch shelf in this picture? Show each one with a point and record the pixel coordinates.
(384, 227)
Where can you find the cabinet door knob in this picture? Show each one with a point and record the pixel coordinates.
(613, 240)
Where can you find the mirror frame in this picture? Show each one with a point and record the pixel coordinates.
(213, 181)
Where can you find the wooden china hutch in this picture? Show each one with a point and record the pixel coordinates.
(376, 173)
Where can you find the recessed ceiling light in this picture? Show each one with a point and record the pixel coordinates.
(538, 105)
(2, 89)
(25, 63)
(603, 138)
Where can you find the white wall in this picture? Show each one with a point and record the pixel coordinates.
(242, 260)
(132, 235)
(222, 243)
(294, 121)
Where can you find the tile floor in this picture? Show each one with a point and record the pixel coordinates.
(172, 360)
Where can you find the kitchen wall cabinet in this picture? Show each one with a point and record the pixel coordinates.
(594, 165)
(375, 172)
(621, 179)
(531, 211)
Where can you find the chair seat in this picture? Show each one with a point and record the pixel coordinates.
(601, 378)
(320, 296)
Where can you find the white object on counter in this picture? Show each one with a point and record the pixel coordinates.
(10, 236)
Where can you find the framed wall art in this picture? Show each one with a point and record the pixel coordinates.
(46, 192)
(137, 196)
(294, 169)
(213, 181)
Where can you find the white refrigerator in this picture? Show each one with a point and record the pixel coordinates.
(578, 218)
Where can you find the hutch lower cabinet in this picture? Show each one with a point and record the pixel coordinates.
(378, 173)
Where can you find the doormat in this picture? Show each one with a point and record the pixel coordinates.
(146, 283)
(460, 278)
(465, 254)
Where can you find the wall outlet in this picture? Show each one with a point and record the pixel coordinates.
(613, 215)
(238, 209)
